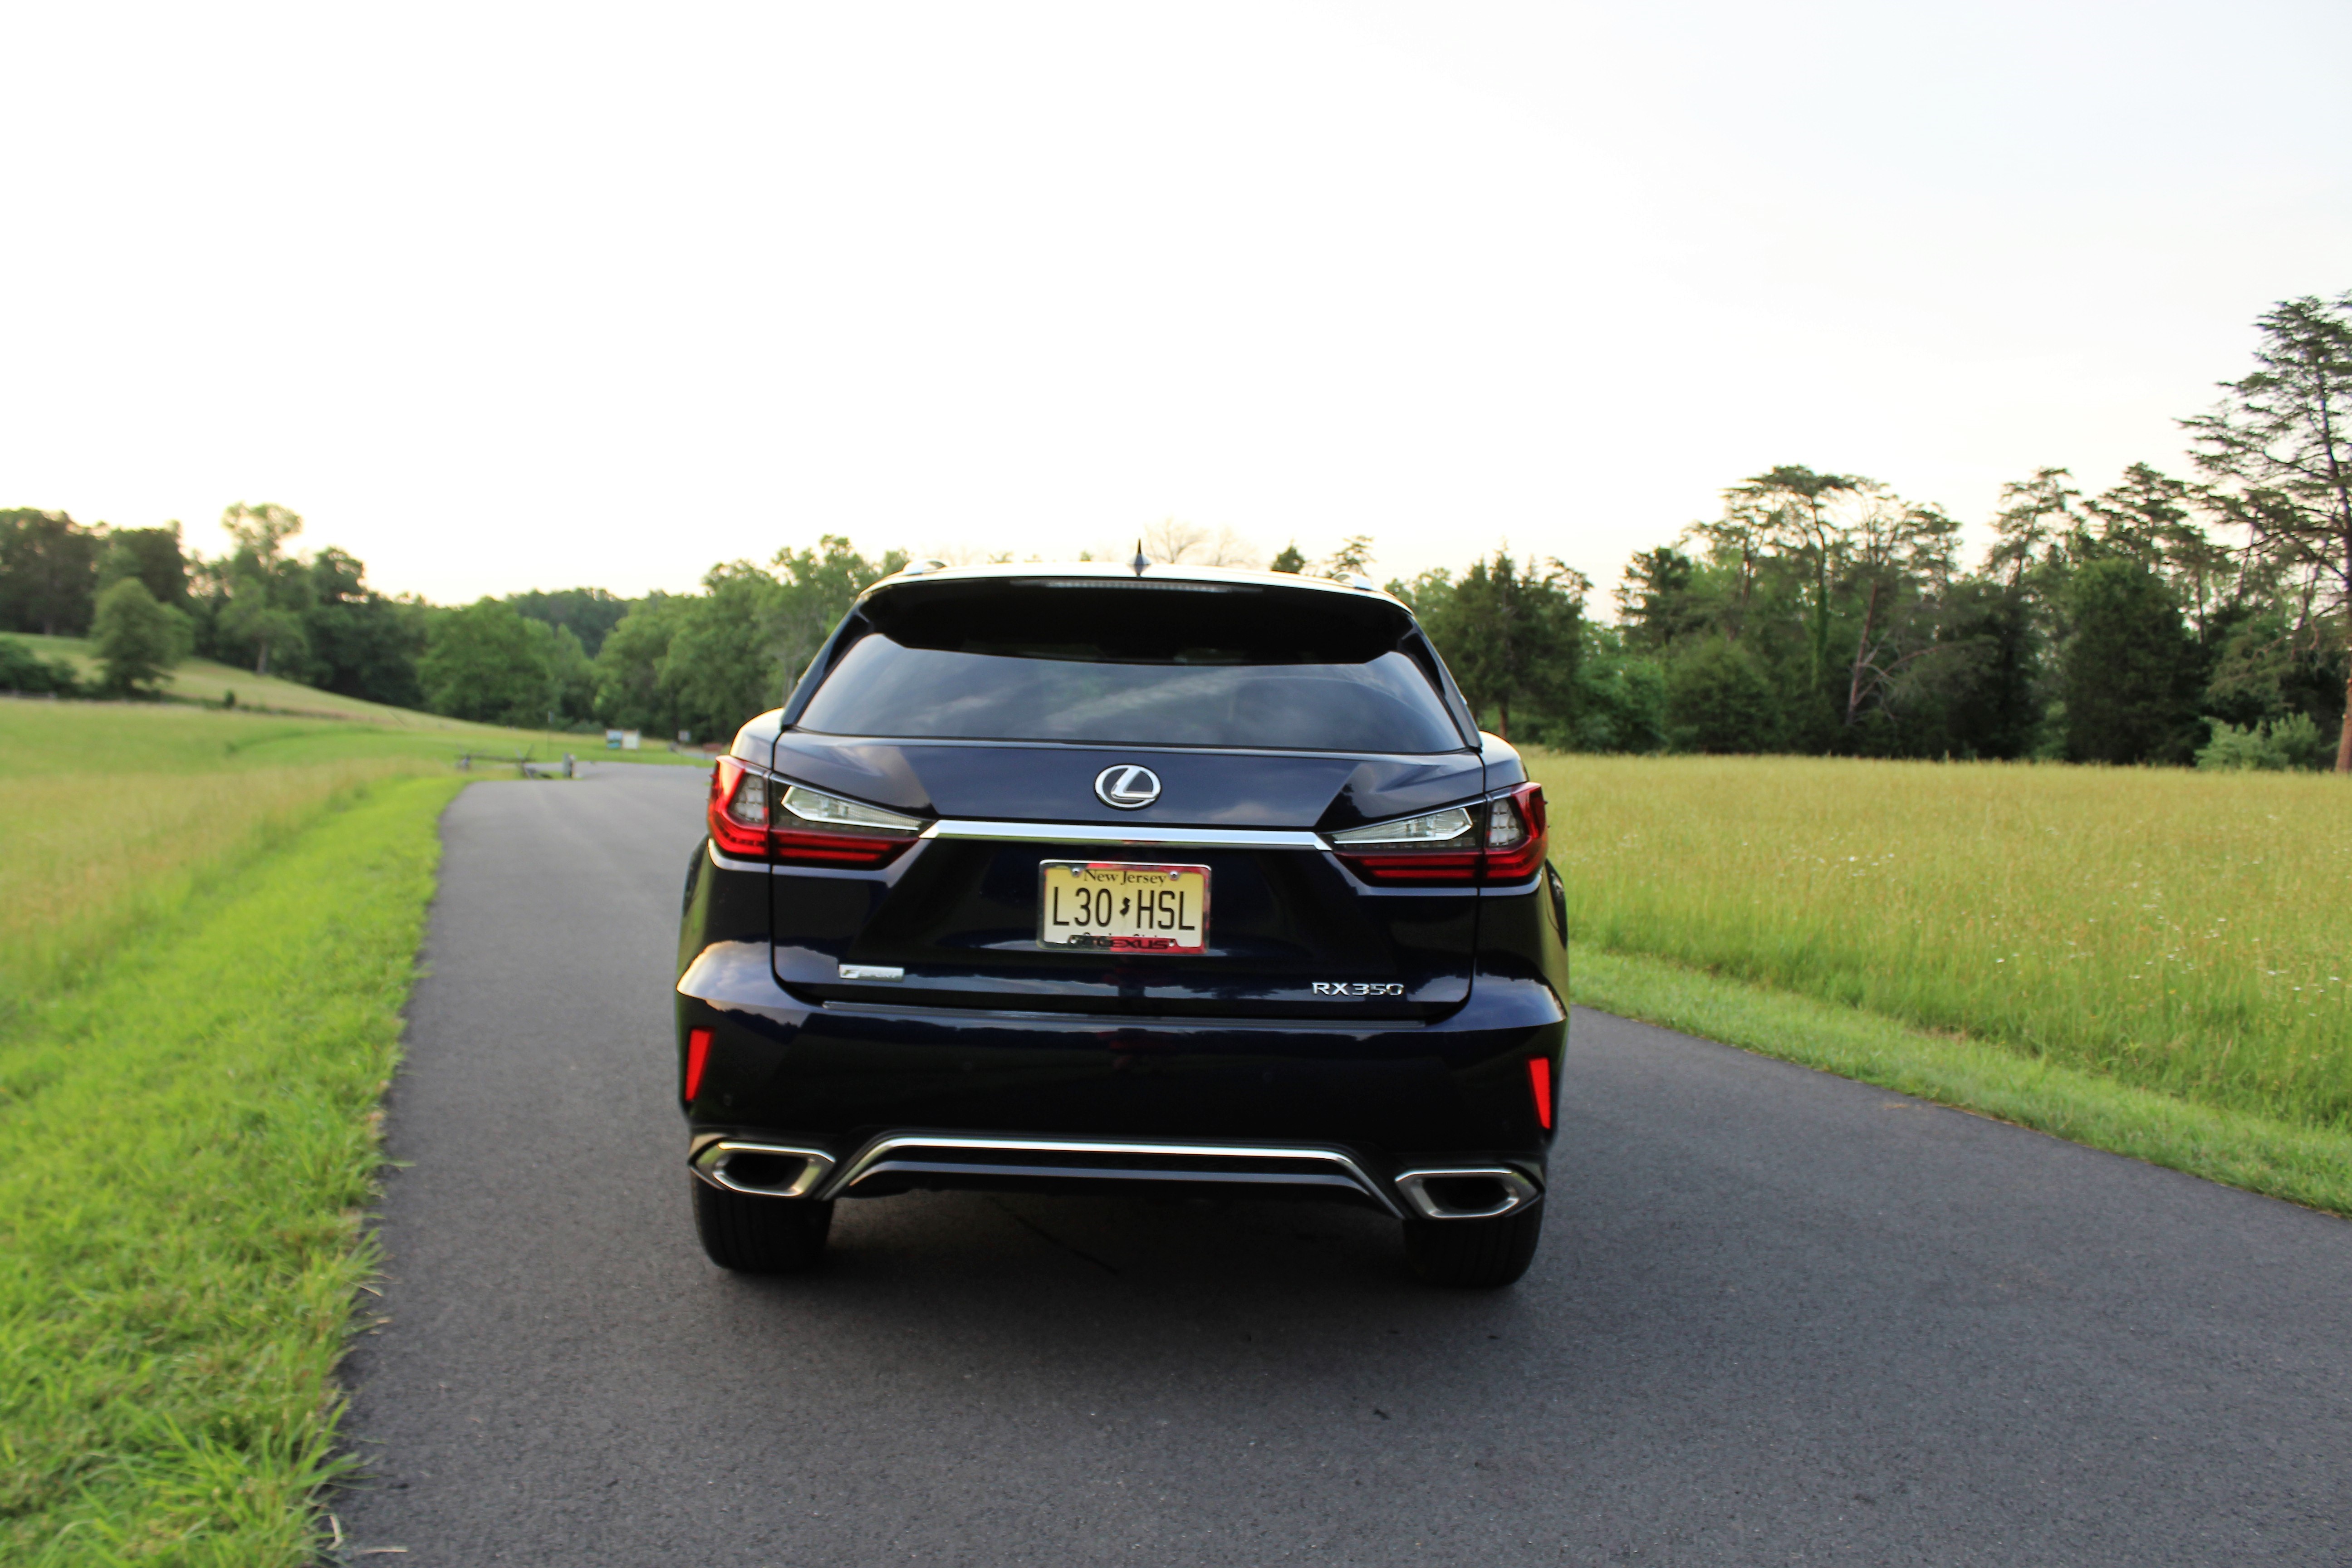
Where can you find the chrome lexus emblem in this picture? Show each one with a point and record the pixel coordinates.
(1126, 787)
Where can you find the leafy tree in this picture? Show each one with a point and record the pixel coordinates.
(589, 614)
(705, 663)
(1898, 563)
(1512, 636)
(2291, 743)
(721, 667)
(1792, 505)
(2152, 518)
(356, 641)
(1657, 601)
(1719, 699)
(571, 675)
(2129, 667)
(1979, 683)
(628, 665)
(153, 555)
(49, 572)
(261, 531)
(818, 587)
(2274, 660)
(489, 663)
(250, 619)
(1621, 696)
(2034, 514)
(139, 640)
(1288, 560)
(260, 592)
(23, 670)
(2283, 439)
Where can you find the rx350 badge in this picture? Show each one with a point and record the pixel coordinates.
(1357, 988)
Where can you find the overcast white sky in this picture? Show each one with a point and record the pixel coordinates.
(507, 297)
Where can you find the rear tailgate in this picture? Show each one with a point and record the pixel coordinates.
(1290, 935)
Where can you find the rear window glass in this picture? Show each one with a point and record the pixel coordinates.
(1275, 670)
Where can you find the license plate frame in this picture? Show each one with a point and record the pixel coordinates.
(1124, 931)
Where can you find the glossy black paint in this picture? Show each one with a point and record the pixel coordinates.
(800, 1067)
(988, 1033)
(839, 1073)
(959, 917)
(999, 781)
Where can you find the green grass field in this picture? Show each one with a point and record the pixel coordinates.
(187, 1144)
(2173, 932)
(210, 921)
(207, 925)
(116, 812)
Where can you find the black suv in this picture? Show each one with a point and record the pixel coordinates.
(1140, 878)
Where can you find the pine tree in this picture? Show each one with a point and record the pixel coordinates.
(2282, 441)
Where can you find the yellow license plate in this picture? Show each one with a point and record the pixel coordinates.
(1119, 906)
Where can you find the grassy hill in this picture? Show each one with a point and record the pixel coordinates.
(203, 680)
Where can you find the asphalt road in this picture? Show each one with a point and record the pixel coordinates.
(1777, 1317)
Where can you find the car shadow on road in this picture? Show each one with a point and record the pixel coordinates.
(1107, 1291)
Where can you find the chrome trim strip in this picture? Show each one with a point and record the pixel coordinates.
(1101, 1173)
(732, 863)
(880, 1149)
(1517, 1191)
(1089, 1020)
(710, 1162)
(1126, 833)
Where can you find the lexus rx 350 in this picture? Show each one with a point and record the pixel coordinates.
(1134, 879)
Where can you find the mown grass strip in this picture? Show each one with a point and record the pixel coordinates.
(186, 1147)
(2304, 1164)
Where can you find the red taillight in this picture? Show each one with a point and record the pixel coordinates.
(1540, 1085)
(805, 849)
(1516, 841)
(739, 810)
(746, 806)
(1460, 867)
(698, 1056)
(1510, 833)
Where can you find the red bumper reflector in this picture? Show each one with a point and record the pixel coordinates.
(1540, 1085)
(698, 1056)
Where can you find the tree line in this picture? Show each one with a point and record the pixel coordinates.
(569, 659)
(2165, 619)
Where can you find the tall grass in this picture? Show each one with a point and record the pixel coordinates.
(111, 816)
(2188, 932)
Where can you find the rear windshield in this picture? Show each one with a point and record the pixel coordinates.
(1276, 671)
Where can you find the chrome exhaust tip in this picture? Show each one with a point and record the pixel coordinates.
(1470, 1192)
(760, 1170)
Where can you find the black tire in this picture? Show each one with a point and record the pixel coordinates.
(1474, 1254)
(759, 1235)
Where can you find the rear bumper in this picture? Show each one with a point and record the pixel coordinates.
(1392, 1098)
(895, 1162)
